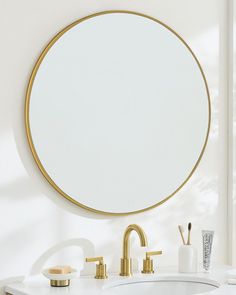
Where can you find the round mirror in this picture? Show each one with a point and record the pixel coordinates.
(117, 112)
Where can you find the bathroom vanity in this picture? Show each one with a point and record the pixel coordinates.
(145, 282)
(166, 283)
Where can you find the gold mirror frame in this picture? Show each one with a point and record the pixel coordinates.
(27, 106)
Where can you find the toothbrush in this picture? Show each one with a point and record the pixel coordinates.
(189, 231)
(181, 230)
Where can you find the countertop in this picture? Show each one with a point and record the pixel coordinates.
(87, 285)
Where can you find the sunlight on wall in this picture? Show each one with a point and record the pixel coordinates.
(35, 220)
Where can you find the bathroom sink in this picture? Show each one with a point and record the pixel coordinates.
(164, 285)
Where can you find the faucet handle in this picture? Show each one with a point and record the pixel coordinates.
(148, 262)
(101, 268)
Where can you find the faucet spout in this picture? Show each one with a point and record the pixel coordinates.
(126, 240)
(126, 262)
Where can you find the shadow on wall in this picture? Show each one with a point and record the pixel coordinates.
(203, 204)
(85, 245)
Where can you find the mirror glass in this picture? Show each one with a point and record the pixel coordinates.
(117, 112)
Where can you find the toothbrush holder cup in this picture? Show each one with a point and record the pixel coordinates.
(188, 260)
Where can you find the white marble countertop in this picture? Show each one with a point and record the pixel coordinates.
(39, 285)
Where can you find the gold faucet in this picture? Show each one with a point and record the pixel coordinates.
(126, 261)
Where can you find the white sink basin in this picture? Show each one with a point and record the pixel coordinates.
(164, 286)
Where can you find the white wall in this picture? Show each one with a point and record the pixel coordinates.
(33, 217)
(232, 123)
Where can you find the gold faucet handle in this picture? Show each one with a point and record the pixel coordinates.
(152, 253)
(101, 268)
(95, 259)
(148, 262)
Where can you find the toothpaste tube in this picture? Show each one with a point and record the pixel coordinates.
(207, 239)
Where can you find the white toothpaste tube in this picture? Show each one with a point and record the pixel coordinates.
(207, 239)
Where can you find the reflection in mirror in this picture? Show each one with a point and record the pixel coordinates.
(117, 112)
